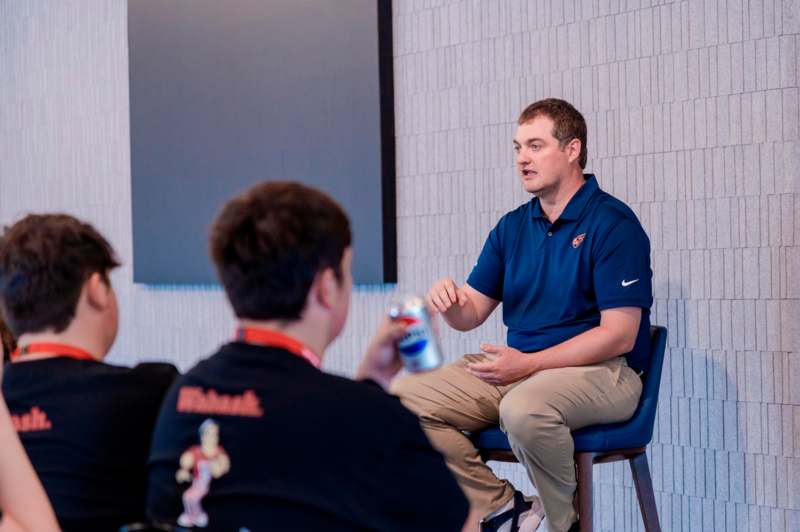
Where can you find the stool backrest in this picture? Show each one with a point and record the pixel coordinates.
(645, 414)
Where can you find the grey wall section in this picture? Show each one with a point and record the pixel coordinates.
(227, 94)
(692, 109)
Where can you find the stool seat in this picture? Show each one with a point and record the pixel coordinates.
(596, 438)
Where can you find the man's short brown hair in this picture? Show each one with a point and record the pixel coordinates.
(568, 122)
(44, 261)
(269, 243)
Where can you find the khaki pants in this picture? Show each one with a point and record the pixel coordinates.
(536, 413)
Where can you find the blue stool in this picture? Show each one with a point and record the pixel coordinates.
(599, 444)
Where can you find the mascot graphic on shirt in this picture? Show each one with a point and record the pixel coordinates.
(199, 465)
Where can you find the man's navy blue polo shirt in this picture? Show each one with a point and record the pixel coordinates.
(554, 279)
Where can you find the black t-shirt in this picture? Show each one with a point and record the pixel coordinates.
(87, 427)
(299, 449)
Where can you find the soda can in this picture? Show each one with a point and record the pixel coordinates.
(419, 348)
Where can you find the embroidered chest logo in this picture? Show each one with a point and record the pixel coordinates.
(193, 400)
(578, 240)
(34, 421)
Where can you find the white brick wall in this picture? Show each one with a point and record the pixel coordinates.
(693, 111)
(693, 120)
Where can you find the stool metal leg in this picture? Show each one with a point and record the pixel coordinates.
(584, 463)
(644, 492)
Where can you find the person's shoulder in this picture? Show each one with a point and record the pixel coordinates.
(209, 365)
(614, 222)
(611, 209)
(515, 216)
(510, 221)
(156, 369)
(612, 214)
(149, 377)
(160, 373)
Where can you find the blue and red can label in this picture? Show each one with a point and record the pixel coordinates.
(419, 348)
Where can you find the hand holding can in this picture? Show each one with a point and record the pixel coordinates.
(419, 347)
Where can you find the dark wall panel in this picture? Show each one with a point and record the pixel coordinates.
(226, 94)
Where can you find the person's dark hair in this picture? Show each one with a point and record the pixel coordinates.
(270, 242)
(568, 122)
(7, 341)
(44, 261)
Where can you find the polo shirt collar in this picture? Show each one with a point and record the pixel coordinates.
(576, 203)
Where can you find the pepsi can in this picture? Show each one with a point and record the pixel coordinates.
(419, 348)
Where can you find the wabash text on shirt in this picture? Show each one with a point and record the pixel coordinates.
(32, 421)
(193, 399)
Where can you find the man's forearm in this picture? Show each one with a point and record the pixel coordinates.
(591, 347)
(462, 318)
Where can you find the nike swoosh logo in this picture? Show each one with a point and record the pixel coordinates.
(628, 283)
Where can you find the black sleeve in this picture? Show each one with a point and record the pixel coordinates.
(420, 492)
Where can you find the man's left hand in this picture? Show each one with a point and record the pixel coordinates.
(506, 365)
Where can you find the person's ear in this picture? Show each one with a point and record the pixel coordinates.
(98, 291)
(573, 149)
(325, 287)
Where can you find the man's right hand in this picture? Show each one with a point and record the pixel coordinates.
(444, 294)
(382, 361)
(463, 308)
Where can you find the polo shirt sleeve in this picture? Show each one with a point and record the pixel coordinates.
(488, 273)
(622, 274)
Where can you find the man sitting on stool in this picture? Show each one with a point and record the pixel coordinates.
(572, 269)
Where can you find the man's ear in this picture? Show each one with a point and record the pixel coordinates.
(323, 289)
(573, 149)
(98, 291)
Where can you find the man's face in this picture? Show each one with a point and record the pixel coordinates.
(541, 162)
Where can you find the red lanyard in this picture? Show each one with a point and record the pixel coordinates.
(59, 350)
(269, 338)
